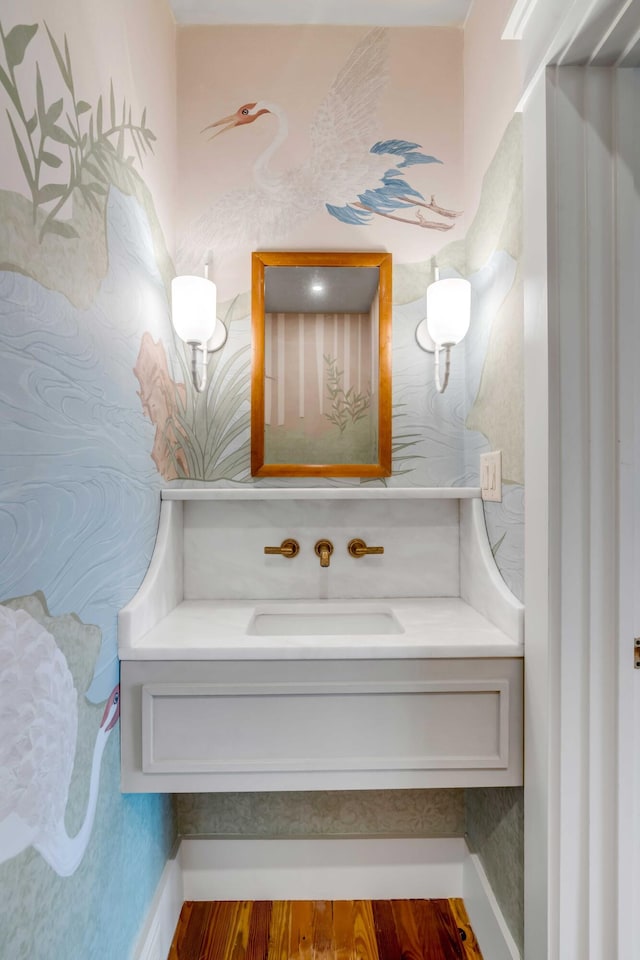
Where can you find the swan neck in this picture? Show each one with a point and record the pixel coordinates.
(261, 166)
(65, 853)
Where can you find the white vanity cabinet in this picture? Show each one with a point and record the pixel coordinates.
(211, 703)
(330, 724)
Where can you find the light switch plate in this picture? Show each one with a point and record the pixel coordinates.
(491, 476)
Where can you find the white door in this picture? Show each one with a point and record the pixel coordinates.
(582, 732)
(628, 313)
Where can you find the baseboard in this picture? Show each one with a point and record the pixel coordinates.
(155, 938)
(485, 915)
(324, 869)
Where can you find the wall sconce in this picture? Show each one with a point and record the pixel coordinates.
(193, 314)
(446, 323)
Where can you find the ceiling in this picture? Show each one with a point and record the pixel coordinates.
(383, 13)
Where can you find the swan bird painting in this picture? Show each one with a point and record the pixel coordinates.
(348, 173)
(38, 733)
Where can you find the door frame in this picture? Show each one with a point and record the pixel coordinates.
(581, 256)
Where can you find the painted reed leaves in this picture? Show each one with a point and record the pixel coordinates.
(66, 135)
(215, 423)
(346, 407)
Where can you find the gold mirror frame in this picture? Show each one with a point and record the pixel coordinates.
(261, 260)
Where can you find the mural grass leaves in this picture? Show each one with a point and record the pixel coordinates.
(17, 41)
(22, 155)
(496, 546)
(214, 426)
(65, 133)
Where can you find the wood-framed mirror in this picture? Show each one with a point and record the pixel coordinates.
(321, 364)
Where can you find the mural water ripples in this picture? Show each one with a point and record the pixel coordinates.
(77, 480)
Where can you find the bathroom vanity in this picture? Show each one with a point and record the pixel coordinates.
(246, 670)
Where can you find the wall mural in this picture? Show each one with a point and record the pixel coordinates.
(71, 154)
(163, 402)
(84, 279)
(68, 128)
(40, 721)
(345, 172)
(200, 436)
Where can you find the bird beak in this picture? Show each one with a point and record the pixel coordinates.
(112, 702)
(230, 122)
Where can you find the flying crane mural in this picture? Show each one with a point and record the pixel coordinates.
(348, 173)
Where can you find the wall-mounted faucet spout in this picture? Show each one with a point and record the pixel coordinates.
(324, 549)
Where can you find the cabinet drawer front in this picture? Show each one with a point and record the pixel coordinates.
(332, 726)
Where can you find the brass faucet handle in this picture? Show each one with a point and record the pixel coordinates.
(358, 548)
(324, 549)
(288, 548)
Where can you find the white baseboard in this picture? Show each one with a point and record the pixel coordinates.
(485, 915)
(324, 869)
(157, 933)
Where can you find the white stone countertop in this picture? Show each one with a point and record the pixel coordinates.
(428, 627)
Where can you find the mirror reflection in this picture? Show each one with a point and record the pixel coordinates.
(321, 339)
(321, 364)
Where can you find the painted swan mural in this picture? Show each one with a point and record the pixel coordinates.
(346, 173)
(39, 722)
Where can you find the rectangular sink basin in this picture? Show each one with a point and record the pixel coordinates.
(329, 622)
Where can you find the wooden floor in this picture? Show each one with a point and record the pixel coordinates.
(324, 930)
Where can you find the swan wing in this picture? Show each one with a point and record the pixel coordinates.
(345, 126)
(39, 720)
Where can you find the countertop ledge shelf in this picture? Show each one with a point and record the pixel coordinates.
(321, 493)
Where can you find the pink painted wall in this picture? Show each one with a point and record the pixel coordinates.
(492, 84)
(221, 68)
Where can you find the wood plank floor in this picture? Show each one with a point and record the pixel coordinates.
(324, 930)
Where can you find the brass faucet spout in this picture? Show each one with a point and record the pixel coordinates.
(324, 549)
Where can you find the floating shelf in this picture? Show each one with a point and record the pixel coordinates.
(321, 493)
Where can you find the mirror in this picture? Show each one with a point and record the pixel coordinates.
(321, 367)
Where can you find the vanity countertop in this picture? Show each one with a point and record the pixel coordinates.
(431, 628)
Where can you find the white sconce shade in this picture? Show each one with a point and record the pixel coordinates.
(193, 308)
(448, 310)
(446, 323)
(193, 314)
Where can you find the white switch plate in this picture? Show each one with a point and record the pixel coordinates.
(491, 475)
